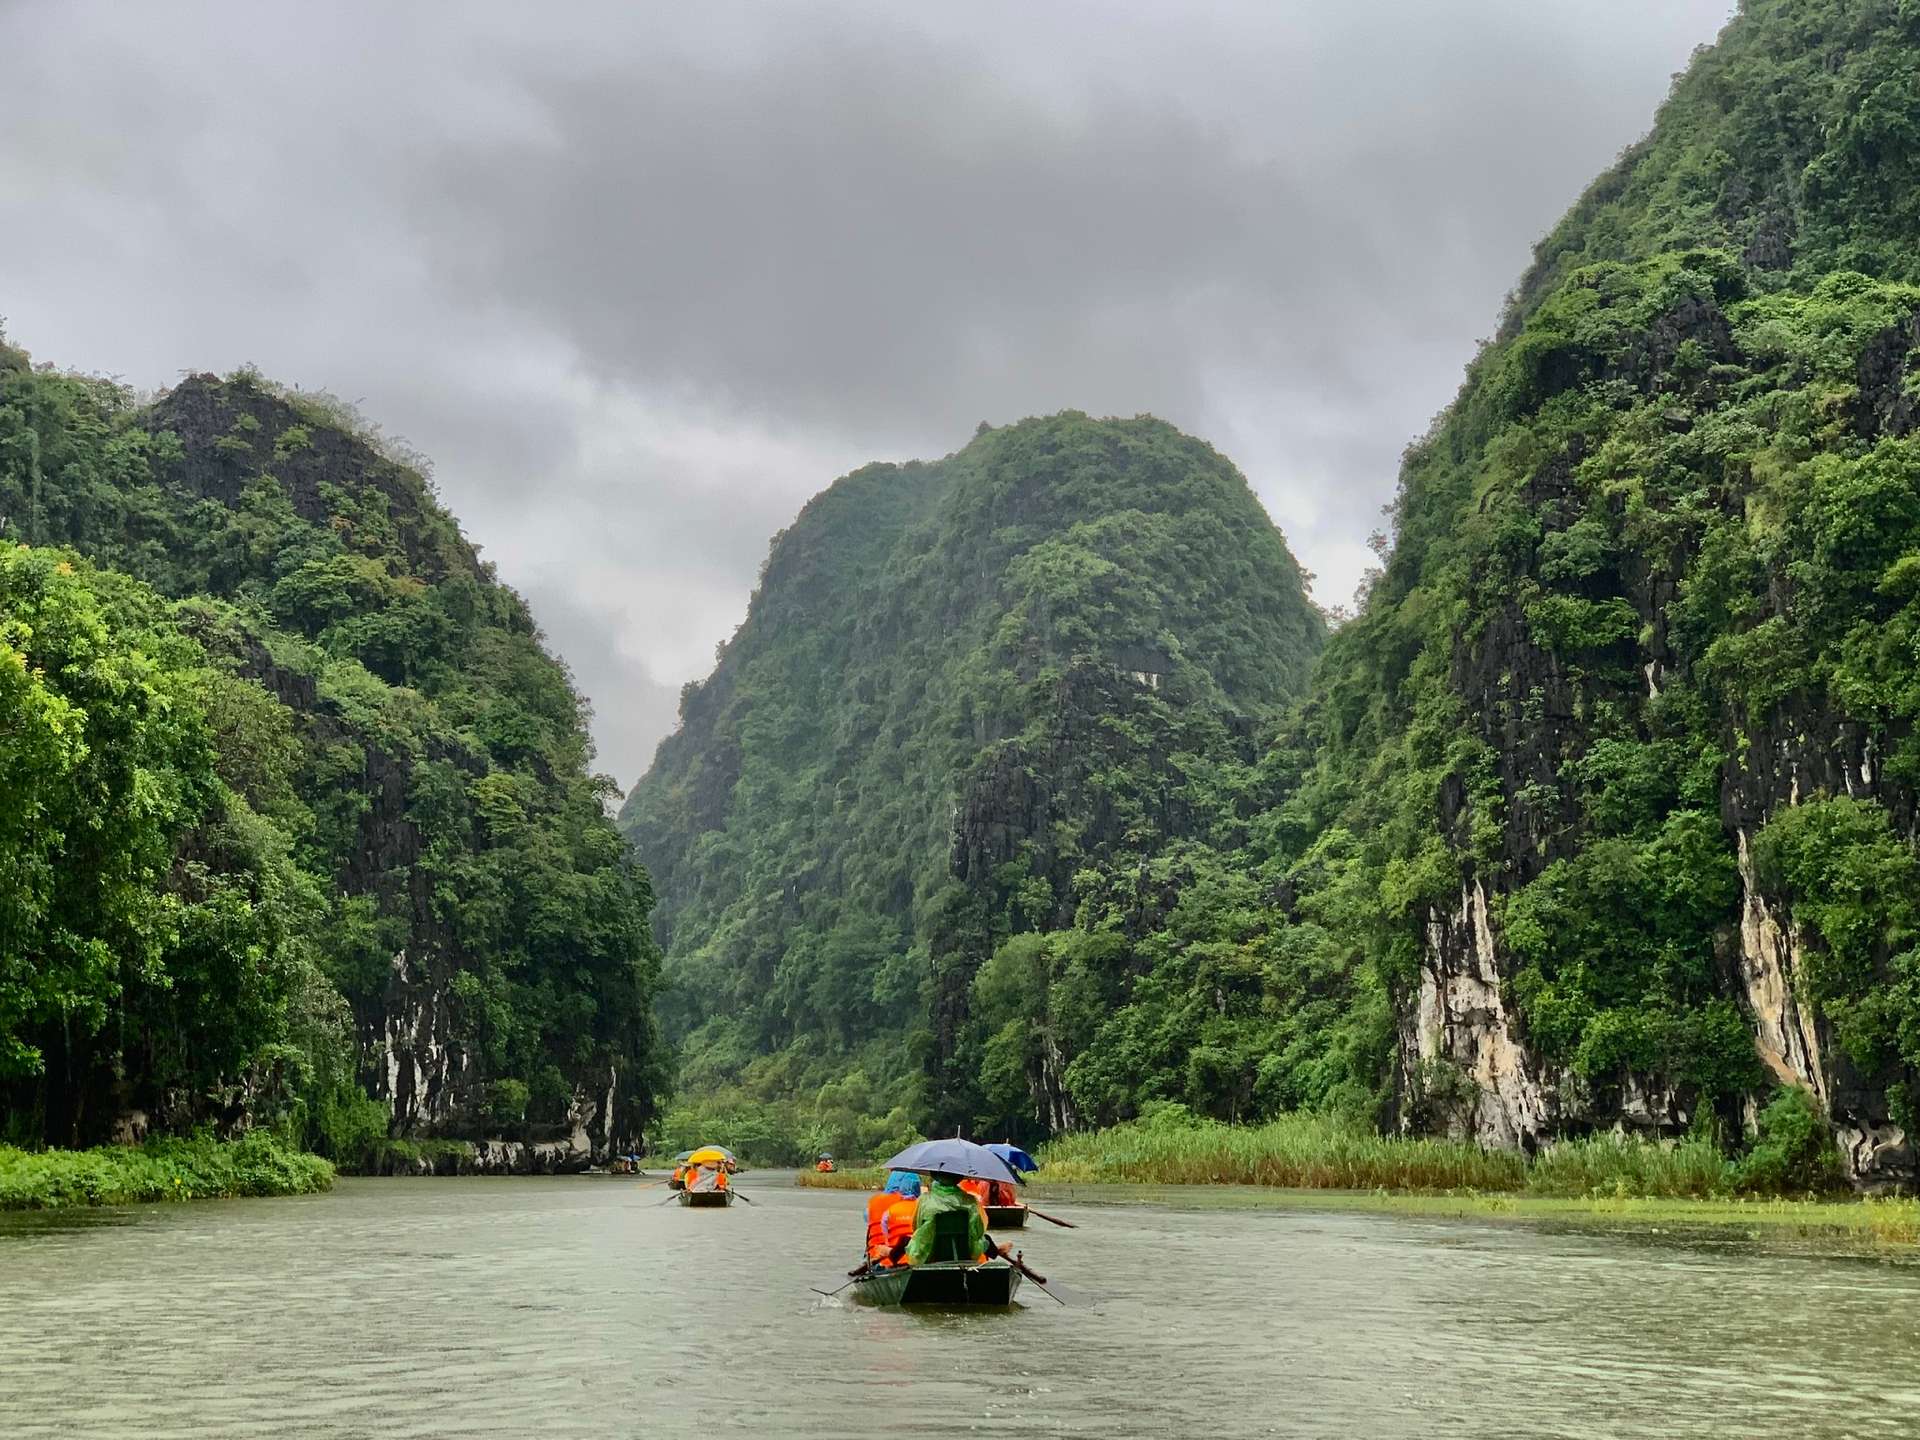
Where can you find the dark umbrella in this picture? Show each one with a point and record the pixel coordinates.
(957, 1159)
(1017, 1159)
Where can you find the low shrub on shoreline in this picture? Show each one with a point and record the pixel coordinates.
(162, 1169)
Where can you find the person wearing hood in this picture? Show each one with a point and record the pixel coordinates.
(890, 1216)
(943, 1196)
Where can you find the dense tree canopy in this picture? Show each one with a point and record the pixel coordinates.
(303, 802)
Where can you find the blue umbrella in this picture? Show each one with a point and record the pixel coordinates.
(1017, 1159)
(957, 1159)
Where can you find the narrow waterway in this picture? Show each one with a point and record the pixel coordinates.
(579, 1307)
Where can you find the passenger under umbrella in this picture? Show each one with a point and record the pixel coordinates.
(890, 1216)
(991, 1192)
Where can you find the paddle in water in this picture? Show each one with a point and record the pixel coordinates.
(1063, 1224)
(1012, 1257)
(858, 1273)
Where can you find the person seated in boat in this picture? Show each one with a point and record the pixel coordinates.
(824, 1165)
(991, 1192)
(890, 1216)
(963, 1236)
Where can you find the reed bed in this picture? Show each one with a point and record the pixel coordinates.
(1605, 1165)
(856, 1179)
(1311, 1152)
(1307, 1152)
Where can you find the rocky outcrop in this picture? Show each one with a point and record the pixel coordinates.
(1459, 1019)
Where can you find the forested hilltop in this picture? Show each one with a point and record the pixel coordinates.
(971, 700)
(299, 826)
(1601, 813)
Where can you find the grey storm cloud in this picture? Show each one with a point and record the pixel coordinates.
(641, 279)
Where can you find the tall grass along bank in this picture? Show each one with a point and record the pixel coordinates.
(165, 1169)
(1790, 1155)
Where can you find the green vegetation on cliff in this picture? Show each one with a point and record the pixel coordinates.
(301, 831)
(966, 693)
(1601, 811)
(1634, 676)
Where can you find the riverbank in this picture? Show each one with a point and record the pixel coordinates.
(160, 1170)
(1312, 1152)
(1784, 1186)
(1864, 1224)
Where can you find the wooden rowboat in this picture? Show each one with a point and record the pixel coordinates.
(1006, 1217)
(706, 1199)
(992, 1283)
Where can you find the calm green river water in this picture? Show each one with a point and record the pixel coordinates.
(576, 1307)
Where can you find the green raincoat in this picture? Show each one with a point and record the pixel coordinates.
(943, 1197)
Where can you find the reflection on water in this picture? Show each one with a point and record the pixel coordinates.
(577, 1307)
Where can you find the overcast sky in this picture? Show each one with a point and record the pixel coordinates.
(642, 278)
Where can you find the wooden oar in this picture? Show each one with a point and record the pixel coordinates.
(1063, 1224)
(852, 1276)
(738, 1196)
(1012, 1257)
(669, 1200)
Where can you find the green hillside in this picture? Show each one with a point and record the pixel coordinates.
(1622, 744)
(305, 832)
(965, 692)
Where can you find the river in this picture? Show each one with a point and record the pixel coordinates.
(569, 1307)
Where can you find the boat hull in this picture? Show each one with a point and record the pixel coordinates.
(1006, 1217)
(992, 1285)
(706, 1199)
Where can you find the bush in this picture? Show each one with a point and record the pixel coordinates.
(1794, 1150)
(349, 1127)
(165, 1169)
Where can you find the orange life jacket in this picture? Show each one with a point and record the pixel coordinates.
(1001, 1192)
(825, 1167)
(979, 1190)
(889, 1221)
(877, 1207)
(898, 1222)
